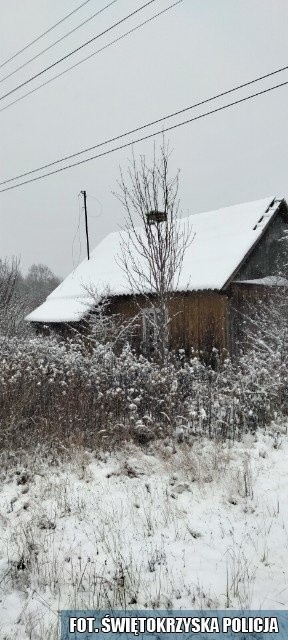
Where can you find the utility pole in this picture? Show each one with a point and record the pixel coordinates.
(86, 223)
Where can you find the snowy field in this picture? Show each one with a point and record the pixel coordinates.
(201, 526)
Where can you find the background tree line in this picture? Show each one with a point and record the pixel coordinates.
(20, 294)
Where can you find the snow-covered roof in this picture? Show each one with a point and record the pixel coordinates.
(222, 239)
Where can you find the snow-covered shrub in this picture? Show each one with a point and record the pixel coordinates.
(64, 392)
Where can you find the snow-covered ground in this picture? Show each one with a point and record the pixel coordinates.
(201, 526)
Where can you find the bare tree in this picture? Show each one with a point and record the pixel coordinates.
(152, 253)
(39, 282)
(12, 301)
(104, 326)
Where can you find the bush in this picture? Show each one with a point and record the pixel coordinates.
(62, 393)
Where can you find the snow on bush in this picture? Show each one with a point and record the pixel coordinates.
(80, 392)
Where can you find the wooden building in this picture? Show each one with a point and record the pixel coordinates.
(233, 261)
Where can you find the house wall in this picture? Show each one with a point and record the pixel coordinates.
(197, 319)
(207, 319)
(243, 300)
(270, 255)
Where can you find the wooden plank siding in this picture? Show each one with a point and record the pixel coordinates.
(270, 255)
(198, 320)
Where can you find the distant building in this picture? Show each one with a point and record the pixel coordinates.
(232, 261)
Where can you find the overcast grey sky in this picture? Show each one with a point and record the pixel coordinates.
(197, 49)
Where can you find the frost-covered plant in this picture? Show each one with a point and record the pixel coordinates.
(63, 392)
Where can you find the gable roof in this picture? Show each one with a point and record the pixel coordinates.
(222, 239)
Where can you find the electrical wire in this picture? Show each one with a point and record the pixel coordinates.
(151, 135)
(68, 55)
(57, 41)
(43, 34)
(149, 124)
(89, 195)
(127, 33)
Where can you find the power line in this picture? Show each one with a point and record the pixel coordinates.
(124, 35)
(151, 135)
(89, 195)
(44, 33)
(85, 44)
(149, 124)
(57, 41)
